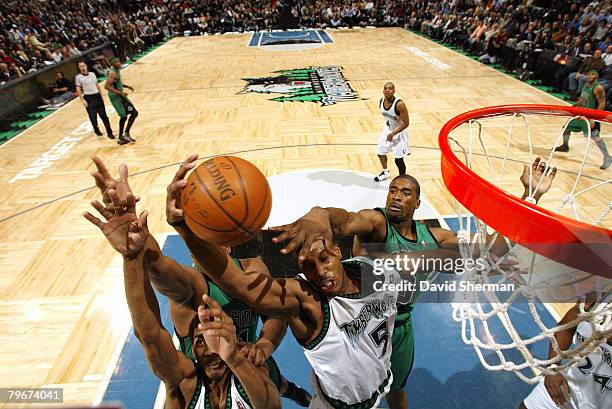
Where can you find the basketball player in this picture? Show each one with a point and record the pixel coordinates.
(185, 286)
(584, 385)
(395, 228)
(220, 374)
(345, 334)
(118, 97)
(88, 90)
(394, 137)
(592, 96)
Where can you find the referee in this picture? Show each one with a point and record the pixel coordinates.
(88, 90)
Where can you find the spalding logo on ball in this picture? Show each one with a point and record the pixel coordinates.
(227, 200)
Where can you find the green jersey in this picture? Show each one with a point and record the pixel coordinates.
(586, 100)
(244, 319)
(395, 242)
(118, 84)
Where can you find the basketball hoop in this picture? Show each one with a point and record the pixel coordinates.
(564, 249)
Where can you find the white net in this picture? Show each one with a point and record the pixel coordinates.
(512, 331)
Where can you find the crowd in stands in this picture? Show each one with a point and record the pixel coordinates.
(575, 36)
(38, 33)
(554, 41)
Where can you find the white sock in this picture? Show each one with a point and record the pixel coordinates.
(386, 170)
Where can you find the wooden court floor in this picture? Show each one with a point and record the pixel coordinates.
(62, 308)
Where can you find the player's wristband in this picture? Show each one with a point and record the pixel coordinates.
(177, 224)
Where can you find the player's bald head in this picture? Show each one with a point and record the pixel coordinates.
(390, 84)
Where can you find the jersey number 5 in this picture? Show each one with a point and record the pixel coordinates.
(380, 337)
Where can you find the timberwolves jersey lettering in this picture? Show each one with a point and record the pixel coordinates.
(591, 380)
(236, 396)
(351, 355)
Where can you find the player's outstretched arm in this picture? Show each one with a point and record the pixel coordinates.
(272, 333)
(262, 293)
(128, 237)
(165, 361)
(179, 283)
(536, 183)
(273, 330)
(556, 385)
(220, 335)
(327, 222)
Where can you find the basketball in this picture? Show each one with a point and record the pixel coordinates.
(227, 200)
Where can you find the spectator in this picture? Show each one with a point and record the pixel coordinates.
(607, 56)
(72, 49)
(602, 30)
(15, 71)
(492, 51)
(5, 75)
(34, 42)
(578, 79)
(62, 89)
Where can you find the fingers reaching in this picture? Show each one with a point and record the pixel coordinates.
(101, 168)
(142, 221)
(107, 214)
(93, 219)
(118, 205)
(185, 167)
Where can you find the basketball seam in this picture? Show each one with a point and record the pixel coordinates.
(256, 217)
(244, 191)
(238, 225)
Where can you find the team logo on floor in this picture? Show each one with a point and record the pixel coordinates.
(325, 85)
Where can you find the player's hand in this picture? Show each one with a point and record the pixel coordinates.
(557, 388)
(105, 182)
(304, 232)
(174, 213)
(219, 330)
(253, 353)
(541, 178)
(130, 88)
(123, 94)
(85, 104)
(126, 232)
(390, 137)
(506, 265)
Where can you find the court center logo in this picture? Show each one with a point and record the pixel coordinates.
(325, 85)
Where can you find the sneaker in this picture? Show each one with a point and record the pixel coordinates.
(110, 136)
(122, 140)
(606, 163)
(384, 175)
(98, 132)
(562, 148)
(297, 394)
(129, 138)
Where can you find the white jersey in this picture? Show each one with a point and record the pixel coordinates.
(392, 119)
(235, 399)
(351, 357)
(591, 380)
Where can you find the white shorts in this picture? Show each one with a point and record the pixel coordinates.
(319, 402)
(540, 399)
(399, 145)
